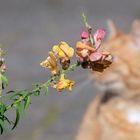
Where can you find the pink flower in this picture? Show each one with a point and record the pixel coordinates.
(84, 35)
(98, 37)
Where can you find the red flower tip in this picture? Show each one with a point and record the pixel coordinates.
(84, 35)
(99, 34)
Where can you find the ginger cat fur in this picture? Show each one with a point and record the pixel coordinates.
(115, 115)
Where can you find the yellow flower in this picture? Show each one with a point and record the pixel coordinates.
(51, 63)
(63, 50)
(64, 83)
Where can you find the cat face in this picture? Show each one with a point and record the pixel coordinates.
(123, 75)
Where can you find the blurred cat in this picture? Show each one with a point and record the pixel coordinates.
(115, 115)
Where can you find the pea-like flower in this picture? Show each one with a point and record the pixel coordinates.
(63, 84)
(64, 53)
(51, 63)
(63, 50)
(90, 57)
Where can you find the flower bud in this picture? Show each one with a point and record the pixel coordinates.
(84, 35)
(99, 34)
(98, 37)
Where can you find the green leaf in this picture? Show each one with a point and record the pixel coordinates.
(7, 120)
(4, 79)
(17, 106)
(2, 126)
(18, 94)
(26, 102)
(2, 108)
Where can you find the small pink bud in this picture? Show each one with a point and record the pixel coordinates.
(84, 35)
(99, 34)
(3, 67)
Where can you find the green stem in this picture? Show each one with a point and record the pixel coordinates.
(89, 29)
(46, 84)
(71, 68)
(29, 94)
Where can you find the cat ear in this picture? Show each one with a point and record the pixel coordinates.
(135, 30)
(114, 31)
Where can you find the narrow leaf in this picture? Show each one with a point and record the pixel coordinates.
(46, 90)
(27, 102)
(4, 79)
(17, 116)
(2, 126)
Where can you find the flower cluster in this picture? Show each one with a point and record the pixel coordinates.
(90, 57)
(60, 53)
(87, 51)
(58, 61)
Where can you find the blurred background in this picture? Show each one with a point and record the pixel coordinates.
(28, 29)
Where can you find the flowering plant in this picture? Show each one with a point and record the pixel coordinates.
(58, 62)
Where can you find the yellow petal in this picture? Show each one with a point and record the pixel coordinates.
(70, 88)
(51, 63)
(45, 63)
(62, 78)
(69, 51)
(61, 54)
(52, 59)
(55, 48)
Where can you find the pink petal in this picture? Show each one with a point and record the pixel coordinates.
(99, 34)
(84, 35)
(97, 44)
(95, 56)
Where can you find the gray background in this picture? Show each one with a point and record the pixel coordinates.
(28, 29)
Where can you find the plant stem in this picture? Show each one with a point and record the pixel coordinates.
(46, 84)
(89, 29)
(29, 94)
